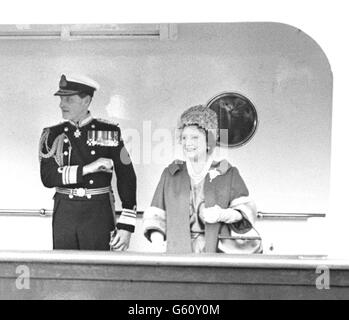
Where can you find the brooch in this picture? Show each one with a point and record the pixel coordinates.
(213, 173)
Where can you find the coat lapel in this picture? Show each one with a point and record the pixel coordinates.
(178, 206)
(216, 193)
(211, 229)
(178, 223)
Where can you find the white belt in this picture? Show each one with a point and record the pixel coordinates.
(83, 192)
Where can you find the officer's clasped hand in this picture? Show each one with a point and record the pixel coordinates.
(120, 240)
(100, 165)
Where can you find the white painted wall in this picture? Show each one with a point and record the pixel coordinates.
(291, 237)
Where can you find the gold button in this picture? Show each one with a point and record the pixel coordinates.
(65, 153)
(93, 126)
(91, 181)
(93, 152)
(66, 129)
(66, 140)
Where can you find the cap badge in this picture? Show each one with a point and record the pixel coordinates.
(63, 82)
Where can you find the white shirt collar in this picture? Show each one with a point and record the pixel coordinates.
(84, 122)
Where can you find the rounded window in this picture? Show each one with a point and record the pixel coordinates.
(237, 118)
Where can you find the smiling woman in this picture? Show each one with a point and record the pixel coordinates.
(194, 210)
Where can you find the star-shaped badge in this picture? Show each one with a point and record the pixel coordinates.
(77, 133)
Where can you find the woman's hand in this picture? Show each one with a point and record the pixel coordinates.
(217, 214)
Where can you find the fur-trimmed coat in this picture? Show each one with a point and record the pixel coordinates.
(223, 186)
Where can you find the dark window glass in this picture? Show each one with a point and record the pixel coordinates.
(237, 115)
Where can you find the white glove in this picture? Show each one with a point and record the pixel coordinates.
(158, 243)
(217, 214)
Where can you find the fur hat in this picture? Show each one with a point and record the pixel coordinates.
(201, 116)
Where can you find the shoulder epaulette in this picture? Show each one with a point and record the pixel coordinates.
(107, 122)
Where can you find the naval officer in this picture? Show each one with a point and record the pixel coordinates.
(77, 158)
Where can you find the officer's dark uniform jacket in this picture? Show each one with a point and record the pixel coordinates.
(66, 148)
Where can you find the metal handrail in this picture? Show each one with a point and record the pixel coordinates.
(260, 215)
(26, 212)
(239, 238)
(289, 216)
